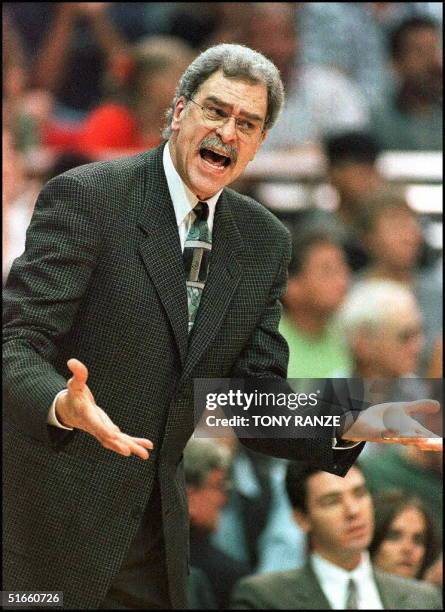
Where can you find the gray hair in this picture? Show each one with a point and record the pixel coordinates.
(202, 456)
(237, 62)
(371, 304)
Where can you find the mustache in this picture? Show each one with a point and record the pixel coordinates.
(214, 142)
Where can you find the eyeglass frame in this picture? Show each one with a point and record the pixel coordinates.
(225, 120)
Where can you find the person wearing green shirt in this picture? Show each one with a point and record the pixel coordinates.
(318, 282)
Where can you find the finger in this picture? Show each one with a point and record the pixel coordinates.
(139, 451)
(144, 442)
(430, 444)
(80, 374)
(123, 444)
(427, 406)
(138, 446)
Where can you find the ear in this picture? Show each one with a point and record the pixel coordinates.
(178, 112)
(260, 142)
(302, 520)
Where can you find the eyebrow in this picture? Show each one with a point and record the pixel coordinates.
(220, 102)
(334, 494)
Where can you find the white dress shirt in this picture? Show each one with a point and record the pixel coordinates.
(333, 581)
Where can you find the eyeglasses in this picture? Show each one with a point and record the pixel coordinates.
(217, 117)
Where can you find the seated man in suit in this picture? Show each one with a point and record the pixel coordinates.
(206, 464)
(338, 517)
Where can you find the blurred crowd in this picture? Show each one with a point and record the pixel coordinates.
(84, 81)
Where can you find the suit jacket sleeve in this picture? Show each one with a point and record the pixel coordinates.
(42, 295)
(266, 357)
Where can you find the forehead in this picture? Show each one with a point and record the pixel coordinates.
(406, 314)
(246, 96)
(324, 483)
(410, 517)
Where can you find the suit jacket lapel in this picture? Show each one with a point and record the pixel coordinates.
(309, 590)
(392, 598)
(224, 276)
(161, 250)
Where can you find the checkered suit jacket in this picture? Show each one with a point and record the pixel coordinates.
(102, 280)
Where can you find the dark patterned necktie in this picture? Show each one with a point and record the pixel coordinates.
(197, 249)
(352, 596)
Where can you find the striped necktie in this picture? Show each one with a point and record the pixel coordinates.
(197, 249)
(352, 596)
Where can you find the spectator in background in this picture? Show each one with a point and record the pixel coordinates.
(318, 282)
(69, 45)
(337, 516)
(352, 171)
(206, 464)
(383, 327)
(318, 100)
(415, 473)
(272, 541)
(352, 37)
(392, 235)
(142, 83)
(404, 541)
(409, 118)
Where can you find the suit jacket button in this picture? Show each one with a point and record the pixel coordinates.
(137, 512)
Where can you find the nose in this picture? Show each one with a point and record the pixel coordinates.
(227, 131)
(351, 506)
(407, 546)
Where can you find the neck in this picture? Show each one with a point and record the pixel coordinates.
(308, 319)
(346, 560)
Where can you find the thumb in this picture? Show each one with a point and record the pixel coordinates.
(79, 371)
(426, 406)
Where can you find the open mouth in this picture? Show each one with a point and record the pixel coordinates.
(218, 160)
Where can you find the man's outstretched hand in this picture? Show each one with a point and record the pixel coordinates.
(77, 409)
(392, 423)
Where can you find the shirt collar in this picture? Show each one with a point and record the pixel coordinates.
(183, 199)
(327, 571)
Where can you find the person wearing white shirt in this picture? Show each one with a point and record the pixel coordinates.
(337, 515)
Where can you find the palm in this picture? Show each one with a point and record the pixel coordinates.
(392, 423)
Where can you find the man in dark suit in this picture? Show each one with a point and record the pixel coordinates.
(338, 517)
(115, 264)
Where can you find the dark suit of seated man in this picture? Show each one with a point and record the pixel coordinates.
(338, 517)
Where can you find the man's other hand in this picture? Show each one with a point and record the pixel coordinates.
(392, 423)
(77, 409)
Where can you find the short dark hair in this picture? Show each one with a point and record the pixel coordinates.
(388, 505)
(351, 147)
(304, 241)
(398, 35)
(297, 475)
